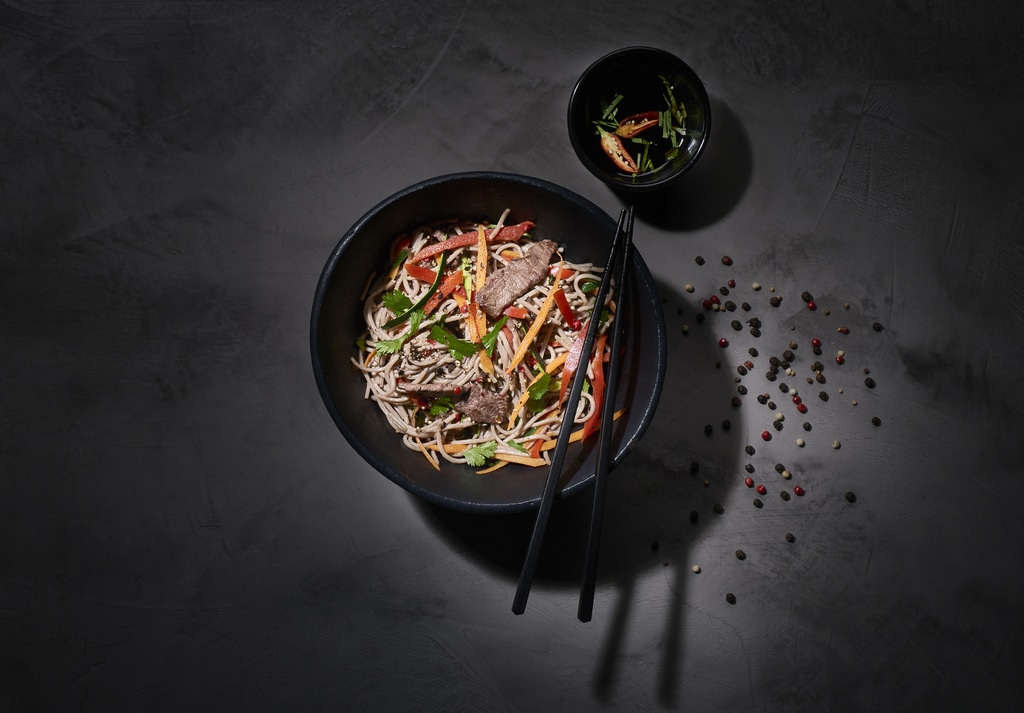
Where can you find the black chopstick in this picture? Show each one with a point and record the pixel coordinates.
(604, 449)
(562, 443)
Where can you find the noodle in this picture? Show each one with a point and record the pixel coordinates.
(429, 376)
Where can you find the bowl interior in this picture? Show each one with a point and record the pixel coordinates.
(636, 73)
(583, 229)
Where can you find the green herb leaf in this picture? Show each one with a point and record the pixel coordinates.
(441, 405)
(518, 447)
(588, 286)
(458, 348)
(539, 388)
(478, 455)
(391, 346)
(397, 301)
(490, 340)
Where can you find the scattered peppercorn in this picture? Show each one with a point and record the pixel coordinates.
(843, 330)
(694, 516)
(877, 327)
(695, 569)
(726, 425)
(876, 421)
(758, 503)
(745, 306)
(654, 546)
(718, 508)
(761, 489)
(749, 482)
(694, 465)
(775, 301)
(737, 401)
(837, 445)
(726, 260)
(850, 497)
(790, 537)
(797, 490)
(742, 389)
(730, 597)
(807, 425)
(784, 495)
(749, 467)
(823, 395)
(869, 382)
(812, 306)
(749, 450)
(741, 555)
(699, 260)
(723, 342)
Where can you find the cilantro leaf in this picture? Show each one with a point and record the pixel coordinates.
(539, 388)
(518, 447)
(391, 346)
(478, 455)
(441, 405)
(397, 301)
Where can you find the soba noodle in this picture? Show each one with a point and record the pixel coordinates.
(402, 362)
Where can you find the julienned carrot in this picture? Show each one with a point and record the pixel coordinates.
(481, 259)
(451, 282)
(477, 325)
(520, 459)
(531, 333)
(551, 368)
(508, 234)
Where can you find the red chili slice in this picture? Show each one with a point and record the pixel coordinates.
(507, 234)
(617, 152)
(633, 125)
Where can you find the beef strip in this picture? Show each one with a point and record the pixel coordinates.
(512, 281)
(483, 405)
(429, 390)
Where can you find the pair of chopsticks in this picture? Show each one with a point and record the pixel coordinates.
(622, 244)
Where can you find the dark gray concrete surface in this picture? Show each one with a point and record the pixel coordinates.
(182, 527)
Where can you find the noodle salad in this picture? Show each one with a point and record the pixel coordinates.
(471, 359)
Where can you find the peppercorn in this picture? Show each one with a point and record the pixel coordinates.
(770, 375)
(749, 482)
(694, 467)
(726, 260)
(718, 509)
(752, 352)
(724, 290)
(730, 597)
(876, 421)
(790, 537)
(723, 342)
(771, 405)
(749, 467)
(735, 324)
(807, 425)
(755, 333)
(784, 387)
(726, 425)
(758, 503)
(742, 389)
(761, 489)
(741, 555)
(745, 306)
(699, 260)
(820, 378)
(823, 395)
(749, 450)
(766, 435)
(788, 355)
(737, 401)
(877, 327)
(784, 495)
(850, 497)
(694, 516)
(869, 382)
(730, 306)
(762, 398)
(775, 301)
(797, 490)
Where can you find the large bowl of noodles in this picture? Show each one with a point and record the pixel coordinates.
(344, 345)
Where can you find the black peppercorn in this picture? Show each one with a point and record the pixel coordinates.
(823, 395)
(758, 503)
(749, 450)
(694, 516)
(779, 467)
(790, 537)
(869, 382)
(707, 430)
(749, 467)
(784, 495)
(807, 425)
(741, 555)
(731, 598)
(719, 509)
(806, 296)
(694, 467)
(699, 260)
(876, 421)
(726, 425)
(877, 327)
(850, 497)
(752, 352)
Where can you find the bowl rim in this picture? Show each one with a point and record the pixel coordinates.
(575, 98)
(624, 447)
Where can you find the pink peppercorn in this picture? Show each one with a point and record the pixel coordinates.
(797, 490)
(749, 482)
(706, 304)
(723, 342)
(801, 407)
(715, 300)
(761, 489)
(766, 435)
(815, 342)
(811, 306)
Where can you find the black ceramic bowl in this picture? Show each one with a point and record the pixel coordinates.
(647, 80)
(336, 322)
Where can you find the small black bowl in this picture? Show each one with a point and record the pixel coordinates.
(644, 78)
(336, 322)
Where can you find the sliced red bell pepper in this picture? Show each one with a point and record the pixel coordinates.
(633, 125)
(561, 274)
(566, 309)
(507, 234)
(420, 273)
(448, 286)
(516, 312)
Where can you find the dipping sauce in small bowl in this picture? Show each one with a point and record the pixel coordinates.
(639, 118)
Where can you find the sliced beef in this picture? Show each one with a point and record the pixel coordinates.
(431, 390)
(483, 405)
(512, 281)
